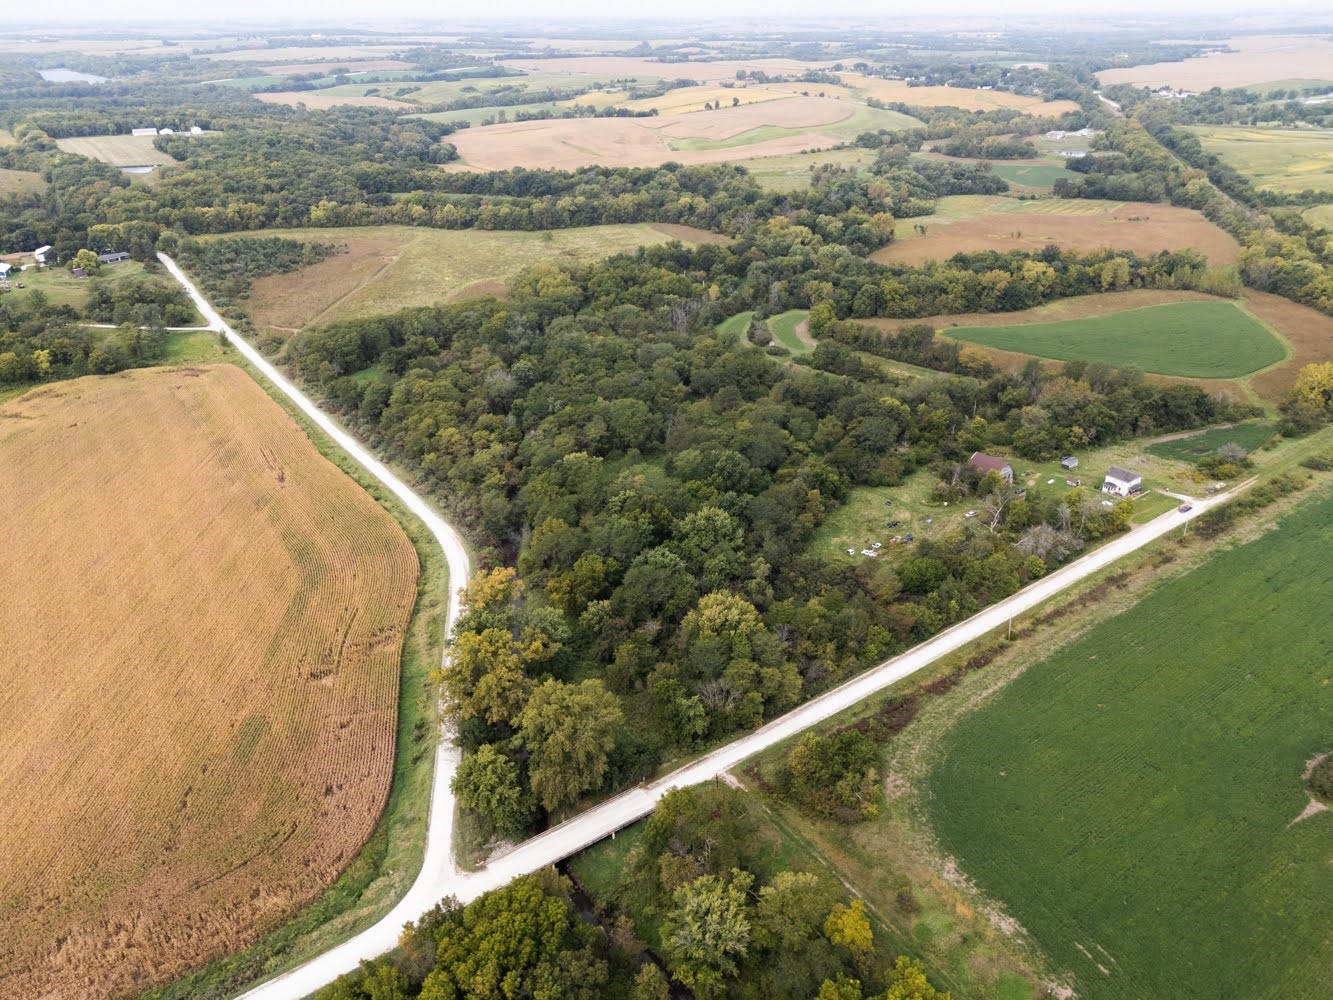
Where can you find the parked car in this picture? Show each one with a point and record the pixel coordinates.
(907, 538)
(1185, 508)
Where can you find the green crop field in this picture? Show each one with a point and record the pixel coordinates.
(1249, 436)
(1030, 175)
(1189, 339)
(1275, 159)
(862, 119)
(1130, 801)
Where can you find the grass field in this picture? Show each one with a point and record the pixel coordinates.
(1250, 435)
(952, 97)
(789, 330)
(61, 287)
(733, 329)
(1032, 175)
(1320, 215)
(1130, 800)
(971, 223)
(20, 182)
(1211, 340)
(1286, 160)
(387, 268)
(244, 658)
(117, 150)
(792, 171)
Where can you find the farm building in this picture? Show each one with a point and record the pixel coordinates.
(143, 131)
(41, 252)
(79, 272)
(1068, 462)
(112, 257)
(166, 131)
(196, 130)
(4, 270)
(989, 463)
(1121, 482)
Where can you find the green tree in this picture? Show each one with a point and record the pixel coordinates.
(841, 988)
(650, 984)
(87, 260)
(908, 981)
(569, 728)
(707, 929)
(489, 784)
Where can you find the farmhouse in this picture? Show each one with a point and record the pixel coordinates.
(40, 253)
(1121, 482)
(989, 463)
(112, 257)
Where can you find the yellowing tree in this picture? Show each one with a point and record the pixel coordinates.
(849, 927)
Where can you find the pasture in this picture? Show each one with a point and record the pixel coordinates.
(779, 127)
(790, 329)
(387, 268)
(1258, 59)
(1286, 160)
(792, 171)
(969, 99)
(201, 652)
(1320, 215)
(117, 150)
(1130, 800)
(1209, 340)
(971, 223)
(20, 182)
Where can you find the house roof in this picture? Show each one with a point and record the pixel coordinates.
(1124, 475)
(43, 249)
(989, 463)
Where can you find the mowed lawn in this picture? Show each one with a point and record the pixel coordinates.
(387, 268)
(1130, 801)
(1188, 339)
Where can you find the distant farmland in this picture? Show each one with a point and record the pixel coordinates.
(200, 634)
(1131, 800)
(1189, 339)
(1288, 160)
(117, 150)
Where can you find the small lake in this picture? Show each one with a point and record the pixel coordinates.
(62, 75)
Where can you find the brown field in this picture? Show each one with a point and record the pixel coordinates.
(316, 101)
(637, 142)
(20, 182)
(1006, 224)
(200, 637)
(1309, 332)
(952, 97)
(353, 66)
(1258, 59)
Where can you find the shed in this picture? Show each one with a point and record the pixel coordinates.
(79, 272)
(989, 463)
(1122, 482)
(1068, 462)
(112, 257)
(166, 131)
(5, 269)
(41, 252)
(143, 131)
(196, 130)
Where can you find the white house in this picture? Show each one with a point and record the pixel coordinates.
(196, 130)
(41, 252)
(1121, 482)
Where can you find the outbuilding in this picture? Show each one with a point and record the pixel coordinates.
(111, 257)
(41, 252)
(1122, 482)
(1068, 462)
(4, 270)
(989, 463)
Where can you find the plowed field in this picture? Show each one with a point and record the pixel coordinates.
(200, 627)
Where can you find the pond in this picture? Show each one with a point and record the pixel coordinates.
(62, 75)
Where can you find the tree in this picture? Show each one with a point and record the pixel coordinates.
(849, 927)
(842, 988)
(1310, 401)
(650, 984)
(569, 728)
(707, 929)
(488, 783)
(789, 911)
(908, 981)
(484, 676)
(87, 260)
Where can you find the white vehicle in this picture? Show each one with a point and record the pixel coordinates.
(851, 552)
(869, 552)
(970, 513)
(876, 545)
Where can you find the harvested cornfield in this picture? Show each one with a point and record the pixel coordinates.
(200, 631)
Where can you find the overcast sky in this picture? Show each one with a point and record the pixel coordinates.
(360, 12)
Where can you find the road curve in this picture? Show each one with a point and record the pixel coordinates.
(439, 876)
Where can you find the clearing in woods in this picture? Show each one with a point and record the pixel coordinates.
(1129, 801)
(202, 625)
(972, 223)
(387, 268)
(118, 150)
(1210, 340)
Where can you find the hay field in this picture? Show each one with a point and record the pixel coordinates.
(684, 99)
(1130, 800)
(966, 98)
(1204, 340)
(1320, 215)
(973, 223)
(778, 127)
(20, 182)
(1259, 59)
(117, 150)
(387, 268)
(317, 101)
(201, 624)
(637, 67)
(1287, 160)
